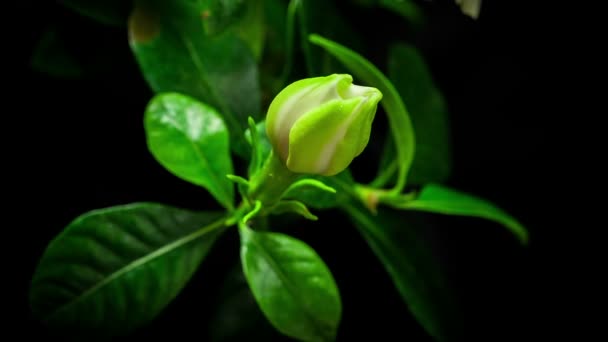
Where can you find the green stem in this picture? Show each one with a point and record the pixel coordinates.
(271, 181)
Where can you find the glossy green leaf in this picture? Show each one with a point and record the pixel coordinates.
(402, 247)
(398, 117)
(440, 199)
(113, 270)
(292, 285)
(190, 140)
(108, 12)
(175, 55)
(428, 112)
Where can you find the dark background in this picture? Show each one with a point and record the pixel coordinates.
(82, 146)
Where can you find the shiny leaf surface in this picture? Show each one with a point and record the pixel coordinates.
(190, 140)
(292, 285)
(114, 269)
(175, 55)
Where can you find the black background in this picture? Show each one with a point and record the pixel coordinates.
(80, 146)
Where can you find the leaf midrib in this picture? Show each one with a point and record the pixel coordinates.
(216, 180)
(138, 262)
(291, 288)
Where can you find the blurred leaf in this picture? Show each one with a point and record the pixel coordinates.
(407, 9)
(112, 270)
(175, 55)
(219, 15)
(292, 285)
(470, 7)
(428, 111)
(190, 140)
(440, 199)
(52, 57)
(323, 18)
(108, 12)
(398, 116)
(251, 27)
(400, 244)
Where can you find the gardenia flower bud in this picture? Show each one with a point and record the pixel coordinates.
(319, 125)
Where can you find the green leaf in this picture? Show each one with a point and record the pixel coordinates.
(190, 140)
(113, 270)
(295, 207)
(440, 199)
(318, 198)
(398, 117)
(428, 112)
(238, 316)
(262, 146)
(108, 12)
(219, 15)
(292, 285)
(407, 9)
(333, 25)
(400, 244)
(175, 55)
(251, 27)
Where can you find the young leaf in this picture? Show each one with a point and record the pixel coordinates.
(319, 198)
(295, 207)
(108, 12)
(439, 199)
(190, 140)
(428, 111)
(114, 269)
(292, 285)
(262, 146)
(175, 55)
(399, 119)
(401, 246)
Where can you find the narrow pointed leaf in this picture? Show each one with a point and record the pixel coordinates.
(440, 199)
(398, 117)
(428, 111)
(292, 285)
(400, 244)
(112, 270)
(190, 140)
(295, 207)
